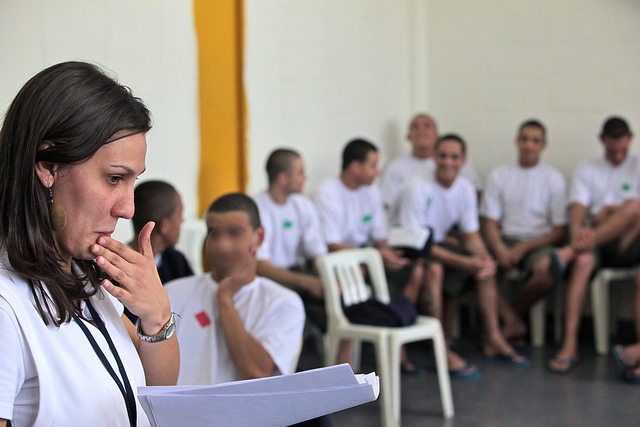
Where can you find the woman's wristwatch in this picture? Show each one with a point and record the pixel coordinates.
(165, 333)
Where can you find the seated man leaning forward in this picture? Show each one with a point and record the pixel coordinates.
(441, 203)
(352, 216)
(604, 222)
(292, 238)
(234, 325)
(524, 217)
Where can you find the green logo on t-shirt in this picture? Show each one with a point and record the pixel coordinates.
(287, 224)
(626, 186)
(429, 201)
(367, 218)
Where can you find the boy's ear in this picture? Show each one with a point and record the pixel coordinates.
(259, 233)
(161, 226)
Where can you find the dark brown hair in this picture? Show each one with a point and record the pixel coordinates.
(74, 108)
(237, 202)
(279, 161)
(154, 201)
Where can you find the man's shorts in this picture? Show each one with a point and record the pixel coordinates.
(531, 258)
(455, 281)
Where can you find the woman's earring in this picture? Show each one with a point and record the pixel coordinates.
(57, 214)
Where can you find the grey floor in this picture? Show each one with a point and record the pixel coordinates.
(591, 395)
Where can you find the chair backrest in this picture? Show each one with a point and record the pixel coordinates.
(343, 280)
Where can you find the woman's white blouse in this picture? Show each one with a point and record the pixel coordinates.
(51, 376)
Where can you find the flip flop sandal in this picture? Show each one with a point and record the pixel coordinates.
(569, 362)
(618, 354)
(416, 371)
(510, 359)
(468, 372)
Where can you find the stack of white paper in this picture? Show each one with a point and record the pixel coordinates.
(274, 401)
(411, 236)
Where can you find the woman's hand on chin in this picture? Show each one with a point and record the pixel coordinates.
(140, 287)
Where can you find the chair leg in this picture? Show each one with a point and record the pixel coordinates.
(396, 391)
(537, 318)
(332, 344)
(600, 308)
(357, 354)
(440, 352)
(386, 381)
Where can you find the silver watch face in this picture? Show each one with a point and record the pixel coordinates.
(170, 330)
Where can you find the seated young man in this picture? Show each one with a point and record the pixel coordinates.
(441, 203)
(160, 202)
(423, 133)
(233, 324)
(292, 238)
(352, 216)
(524, 217)
(604, 219)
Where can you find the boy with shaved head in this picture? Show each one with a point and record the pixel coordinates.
(234, 324)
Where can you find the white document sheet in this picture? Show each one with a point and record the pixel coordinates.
(275, 401)
(411, 236)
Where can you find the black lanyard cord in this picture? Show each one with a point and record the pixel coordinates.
(127, 392)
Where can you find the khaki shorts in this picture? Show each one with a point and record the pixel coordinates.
(531, 258)
(455, 281)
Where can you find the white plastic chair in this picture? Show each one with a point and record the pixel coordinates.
(193, 233)
(343, 282)
(600, 303)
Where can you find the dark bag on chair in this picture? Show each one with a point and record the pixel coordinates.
(374, 313)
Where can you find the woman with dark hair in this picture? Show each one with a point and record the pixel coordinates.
(71, 147)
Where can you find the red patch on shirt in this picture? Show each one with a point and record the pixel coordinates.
(203, 319)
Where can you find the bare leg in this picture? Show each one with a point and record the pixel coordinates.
(430, 303)
(449, 312)
(575, 296)
(630, 235)
(630, 354)
(539, 285)
(513, 327)
(345, 352)
(618, 223)
(494, 342)
(414, 286)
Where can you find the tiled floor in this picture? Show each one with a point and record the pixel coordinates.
(591, 395)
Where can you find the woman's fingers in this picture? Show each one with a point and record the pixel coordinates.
(144, 240)
(114, 247)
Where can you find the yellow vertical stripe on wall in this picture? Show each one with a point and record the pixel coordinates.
(219, 30)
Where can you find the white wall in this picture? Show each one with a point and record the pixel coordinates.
(571, 64)
(319, 72)
(149, 44)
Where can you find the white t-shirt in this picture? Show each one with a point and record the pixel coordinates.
(427, 203)
(291, 231)
(405, 167)
(271, 314)
(596, 183)
(352, 217)
(527, 202)
(52, 376)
